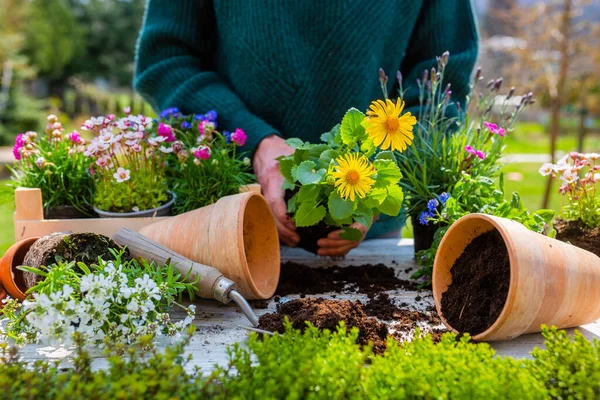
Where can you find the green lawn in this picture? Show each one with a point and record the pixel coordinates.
(7, 234)
(532, 138)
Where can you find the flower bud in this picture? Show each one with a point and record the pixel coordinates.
(425, 75)
(498, 84)
(444, 58)
(382, 77)
(478, 76)
(399, 78)
(433, 75)
(52, 118)
(511, 92)
(246, 161)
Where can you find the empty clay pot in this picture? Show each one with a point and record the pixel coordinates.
(236, 235)
(11, 277)
(551, 282)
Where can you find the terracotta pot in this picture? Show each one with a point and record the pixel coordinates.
(236, 235)
(551, 282)
(12, 278)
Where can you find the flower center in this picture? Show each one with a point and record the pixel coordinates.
(392, 124)
(352, 177)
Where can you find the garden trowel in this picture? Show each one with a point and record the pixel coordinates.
(212, 283)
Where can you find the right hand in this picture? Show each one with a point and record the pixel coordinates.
(266, 169)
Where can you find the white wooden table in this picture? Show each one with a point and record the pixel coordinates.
(217, 324)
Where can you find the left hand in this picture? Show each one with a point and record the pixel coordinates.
(334, 246)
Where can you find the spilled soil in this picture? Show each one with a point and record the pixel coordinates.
(368, 279)
(480, 282)
(578, 235)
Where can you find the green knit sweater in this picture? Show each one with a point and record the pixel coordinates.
(294, 67)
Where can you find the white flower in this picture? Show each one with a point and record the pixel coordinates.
(166, 150)
(593, 156)
(569, 176)
(546, 169)
(67, 291)
(156, 141)
(122, 175)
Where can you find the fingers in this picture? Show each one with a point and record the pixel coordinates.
(334, 246)
(338, 251)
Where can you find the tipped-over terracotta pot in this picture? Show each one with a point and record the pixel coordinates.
(11, 277)
(236, 235)
(551, 282)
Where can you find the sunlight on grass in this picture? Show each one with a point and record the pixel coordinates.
(532, 138)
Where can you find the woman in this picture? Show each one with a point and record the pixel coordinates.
(291, 68)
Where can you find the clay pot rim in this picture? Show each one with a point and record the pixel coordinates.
(19, 294)
(153, 212)
(510, 246)
(242, 249)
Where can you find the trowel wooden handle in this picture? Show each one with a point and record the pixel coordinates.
(212, 283)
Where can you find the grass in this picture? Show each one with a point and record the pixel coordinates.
(533, 138)
(7, 234)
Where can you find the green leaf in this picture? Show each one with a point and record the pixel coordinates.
(393, 202)
(352, 234)
(299, 156)
(352, 129)
(291, 205)
(386, 155)
(327, 156)
(308, 214)
(376, 197)
(294, 143)
(547, 215)
(286, 163)
(364, 217)
(314, 153)
(288, 184)
(338, 207)
(332, 138)
(388, 173)
(308, 193)
(306, 174)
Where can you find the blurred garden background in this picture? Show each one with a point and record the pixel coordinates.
(74, 58)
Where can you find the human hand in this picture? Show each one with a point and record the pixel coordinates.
(266, 169)
(334, 246)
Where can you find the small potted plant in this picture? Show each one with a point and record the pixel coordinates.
(450, 140)
(54, 163)
(579, 220)
(338, 182)
(127, 160)
(203, 164)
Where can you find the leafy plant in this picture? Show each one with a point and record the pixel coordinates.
(117, 300)
(583, 198)
(342, 180)
(127, 161)
(316, 365)
(204, 164)
(54, 163)
(475, 195)
(450, 140)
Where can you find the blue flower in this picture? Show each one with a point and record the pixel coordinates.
(211, 115)
(169, 112)
(424, 218)
(444, 198)
(227, 136)
(432, 205)
(186, 125)
(199, 117)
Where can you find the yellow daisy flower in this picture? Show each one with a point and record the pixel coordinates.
(353, 176)
(387, 128)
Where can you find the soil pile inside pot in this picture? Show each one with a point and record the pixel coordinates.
(369, 279)
(578, 235)
(327, 314)
(480, 282)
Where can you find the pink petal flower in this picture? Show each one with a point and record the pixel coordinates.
(470, 150)
(501, 132)
(203, 153)
(239, 137)
(492, 127)
(480, 154)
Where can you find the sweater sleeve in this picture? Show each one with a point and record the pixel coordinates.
(174, 67)
(443, 25)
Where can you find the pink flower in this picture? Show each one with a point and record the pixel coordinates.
(546, 169)
(127, 110)
(563, 189)
(470, 150)
(569, 176)
(480, 154)
(165, 131)
(122, 175)
(239, 137)
(40, 162)
(136, 147)
(19, 143)
(75, 137)
(202, 153)
(494, 128)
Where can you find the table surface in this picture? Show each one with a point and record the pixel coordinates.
(218, 325)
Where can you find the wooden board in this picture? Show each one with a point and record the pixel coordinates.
(218, 325)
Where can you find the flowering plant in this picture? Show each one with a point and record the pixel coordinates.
(117, 300)
(203, 164)
(343, 180)
(54, 163)
(475, 194)
(127, 162)
(450, 140)
(579, 174)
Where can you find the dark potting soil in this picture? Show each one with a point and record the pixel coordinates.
(327, 314)
(369, 279)
(480, 282)
(578, 235)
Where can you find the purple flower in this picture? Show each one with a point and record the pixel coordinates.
(432, 205)
(186, 125)
(164, 130)
(444, 198)
(199, 117)
(227, 136)
(239, 137)
(211, 115)
(169, 112)
(424, 218)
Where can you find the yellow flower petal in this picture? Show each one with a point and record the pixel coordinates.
(353, 176)
(387, 128)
